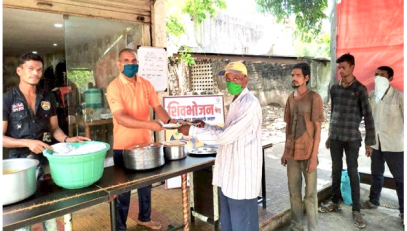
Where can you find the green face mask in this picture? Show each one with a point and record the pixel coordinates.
(233, 88)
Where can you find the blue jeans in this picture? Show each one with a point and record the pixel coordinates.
(238, 215)
(296, 169)
(123, 200)
(352, 153)
(395, 162)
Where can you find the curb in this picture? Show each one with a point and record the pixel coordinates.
(284, 217)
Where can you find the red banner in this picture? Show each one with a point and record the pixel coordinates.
(373, 32)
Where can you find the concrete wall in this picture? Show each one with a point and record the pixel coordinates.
(269, 82)
(231, 33)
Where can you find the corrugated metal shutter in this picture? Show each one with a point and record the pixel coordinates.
(129, 10)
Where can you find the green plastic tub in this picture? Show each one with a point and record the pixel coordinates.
(77, 171)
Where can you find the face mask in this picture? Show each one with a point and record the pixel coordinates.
(381, 86)
(234, 88)
(130, 70)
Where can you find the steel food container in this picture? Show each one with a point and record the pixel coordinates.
(19, 179)
(144, 156)
(175, 150)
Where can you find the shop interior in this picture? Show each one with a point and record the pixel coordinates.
(80, 56)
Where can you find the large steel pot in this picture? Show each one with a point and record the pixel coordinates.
(144, 156)
(19, 179)
(175, 150)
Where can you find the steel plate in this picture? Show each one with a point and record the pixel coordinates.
(203, 151)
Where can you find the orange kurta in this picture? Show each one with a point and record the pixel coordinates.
(134, 99)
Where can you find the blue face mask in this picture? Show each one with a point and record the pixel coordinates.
(130, 70)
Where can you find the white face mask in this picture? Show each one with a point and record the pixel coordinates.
(381, 86)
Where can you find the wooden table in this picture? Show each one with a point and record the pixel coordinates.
(114, 175)
(87, 124)
(114, 181)
(19, 215)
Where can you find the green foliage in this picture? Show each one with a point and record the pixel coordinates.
(81, 77)
(325, 45)
(174, 27)
(317, 48)
(308, 14)
(186, 56)
(199, 9)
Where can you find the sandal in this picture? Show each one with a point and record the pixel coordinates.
(358, 219)
(330, 207)
(368, 205)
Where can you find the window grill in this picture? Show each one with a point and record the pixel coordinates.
(202, 77)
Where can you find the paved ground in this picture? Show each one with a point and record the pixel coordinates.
(167, 203)
(384, 218)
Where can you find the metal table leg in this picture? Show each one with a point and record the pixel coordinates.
(113, 214)
(263, 183)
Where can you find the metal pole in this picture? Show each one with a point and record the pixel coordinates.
(333, 42)
(113, 214)
(263, 182)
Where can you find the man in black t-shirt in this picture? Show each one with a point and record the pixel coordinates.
(29, 118)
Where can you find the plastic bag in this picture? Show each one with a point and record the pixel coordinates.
(346, 190)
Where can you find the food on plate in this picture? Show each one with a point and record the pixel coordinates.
(8, 171)
(176, 125)
(174, 143)
(188, 122)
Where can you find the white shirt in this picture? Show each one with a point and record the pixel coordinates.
(388, 115)
(239, 159)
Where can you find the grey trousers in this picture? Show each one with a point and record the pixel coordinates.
(238, 215)
(296, 170)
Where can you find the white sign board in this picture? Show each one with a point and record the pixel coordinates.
(208, 108)
(153, 66)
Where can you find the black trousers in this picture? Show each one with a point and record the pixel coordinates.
(123, 199)
(351, 149)
(395, 162)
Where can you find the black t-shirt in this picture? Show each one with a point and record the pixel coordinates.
(22, 123)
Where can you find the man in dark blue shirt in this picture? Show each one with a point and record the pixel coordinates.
(29, 118)
(349, 104)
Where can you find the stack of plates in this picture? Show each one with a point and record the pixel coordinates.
(144, 156)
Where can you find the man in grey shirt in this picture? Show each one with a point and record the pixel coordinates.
(388, 113)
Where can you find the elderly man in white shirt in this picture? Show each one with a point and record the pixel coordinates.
(239, 159)
(388, 113)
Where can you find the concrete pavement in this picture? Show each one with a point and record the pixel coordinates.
(385, 217)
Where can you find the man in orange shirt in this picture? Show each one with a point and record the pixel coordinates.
(129, 97)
